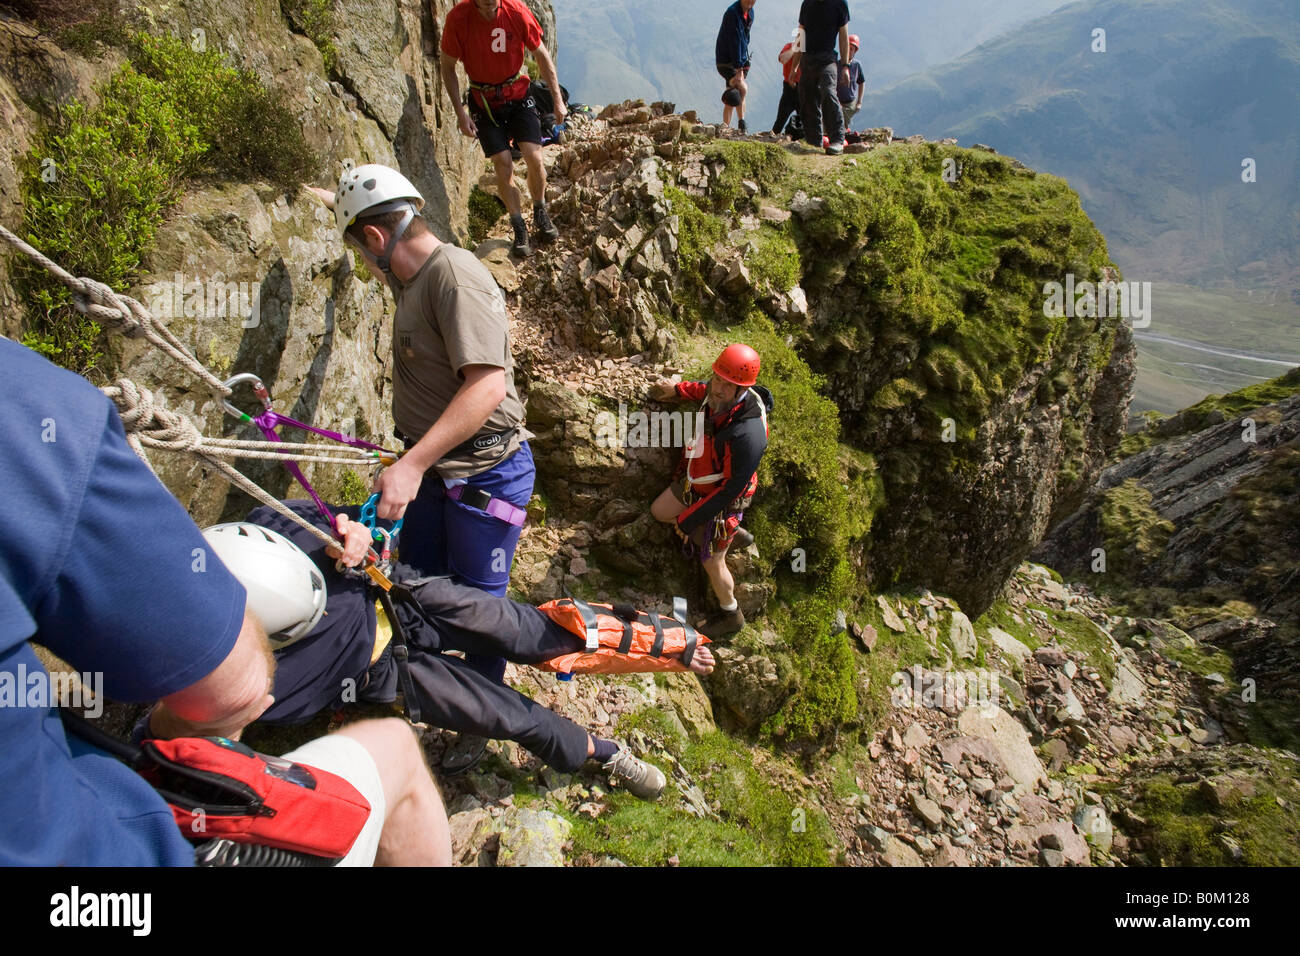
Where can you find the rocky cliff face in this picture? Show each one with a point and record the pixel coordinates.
(982, 418)
(1219, 506)
(1201, 526)
(321, 339)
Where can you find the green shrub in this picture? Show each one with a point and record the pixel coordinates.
(251, 132)
(114, 172)
(97, 182)
(318, 21)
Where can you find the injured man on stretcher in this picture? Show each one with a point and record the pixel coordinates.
(333, 646)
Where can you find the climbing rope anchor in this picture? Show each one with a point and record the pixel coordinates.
(268, 420)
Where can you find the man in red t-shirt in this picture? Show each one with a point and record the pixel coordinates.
(489, 37)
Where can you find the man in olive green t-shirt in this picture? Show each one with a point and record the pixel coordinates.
(467, 475)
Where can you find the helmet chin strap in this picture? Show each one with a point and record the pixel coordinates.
(385, 261)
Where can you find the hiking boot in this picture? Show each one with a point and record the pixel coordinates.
(742, 127)
(641, 779)
(834, 149)
(521, 247)
(742, 540)
(542, 220)
(727, 622)
(464, 754)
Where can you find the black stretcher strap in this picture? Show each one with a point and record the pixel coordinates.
(400, 650)
(658, 622)
(692, 638)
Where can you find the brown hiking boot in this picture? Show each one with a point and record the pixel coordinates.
(641, 778)
(726, 622)
(542, 220)
(521, 247)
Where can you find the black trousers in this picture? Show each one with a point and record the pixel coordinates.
(455, 696)
(789, 105)
(819, 101)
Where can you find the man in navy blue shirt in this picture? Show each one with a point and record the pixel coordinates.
(731, 52)
(100, 564)
(825, 23)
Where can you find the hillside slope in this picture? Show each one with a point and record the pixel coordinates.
(1152, 132)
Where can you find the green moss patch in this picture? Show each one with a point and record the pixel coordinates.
(1185, 829)
(484, 212)
(1133, 534)
(757, 824)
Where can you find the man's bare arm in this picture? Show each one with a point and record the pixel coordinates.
(447, 68)
(483, 390)
(228, 699)
(552, 78)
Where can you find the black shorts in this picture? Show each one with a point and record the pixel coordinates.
(727, 71)
(516, 121)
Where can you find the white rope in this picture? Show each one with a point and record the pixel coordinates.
(120, 312)
(149, 425)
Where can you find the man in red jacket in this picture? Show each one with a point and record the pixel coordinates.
(490, 37)
(718, 473)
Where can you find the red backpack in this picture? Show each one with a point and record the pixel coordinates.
(222, 792)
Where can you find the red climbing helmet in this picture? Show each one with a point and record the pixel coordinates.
(738, 364)
(854, 41)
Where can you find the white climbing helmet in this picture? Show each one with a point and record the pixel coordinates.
(285, 588)
(373, 189)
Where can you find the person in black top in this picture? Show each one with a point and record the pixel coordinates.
(823, 23)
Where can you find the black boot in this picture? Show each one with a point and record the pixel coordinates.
(463, 755)
(542, 220)
(726, 622)
(521, 247)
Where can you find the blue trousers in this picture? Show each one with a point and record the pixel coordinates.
(443, 536)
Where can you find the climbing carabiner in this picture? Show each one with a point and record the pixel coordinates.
(258, 389)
